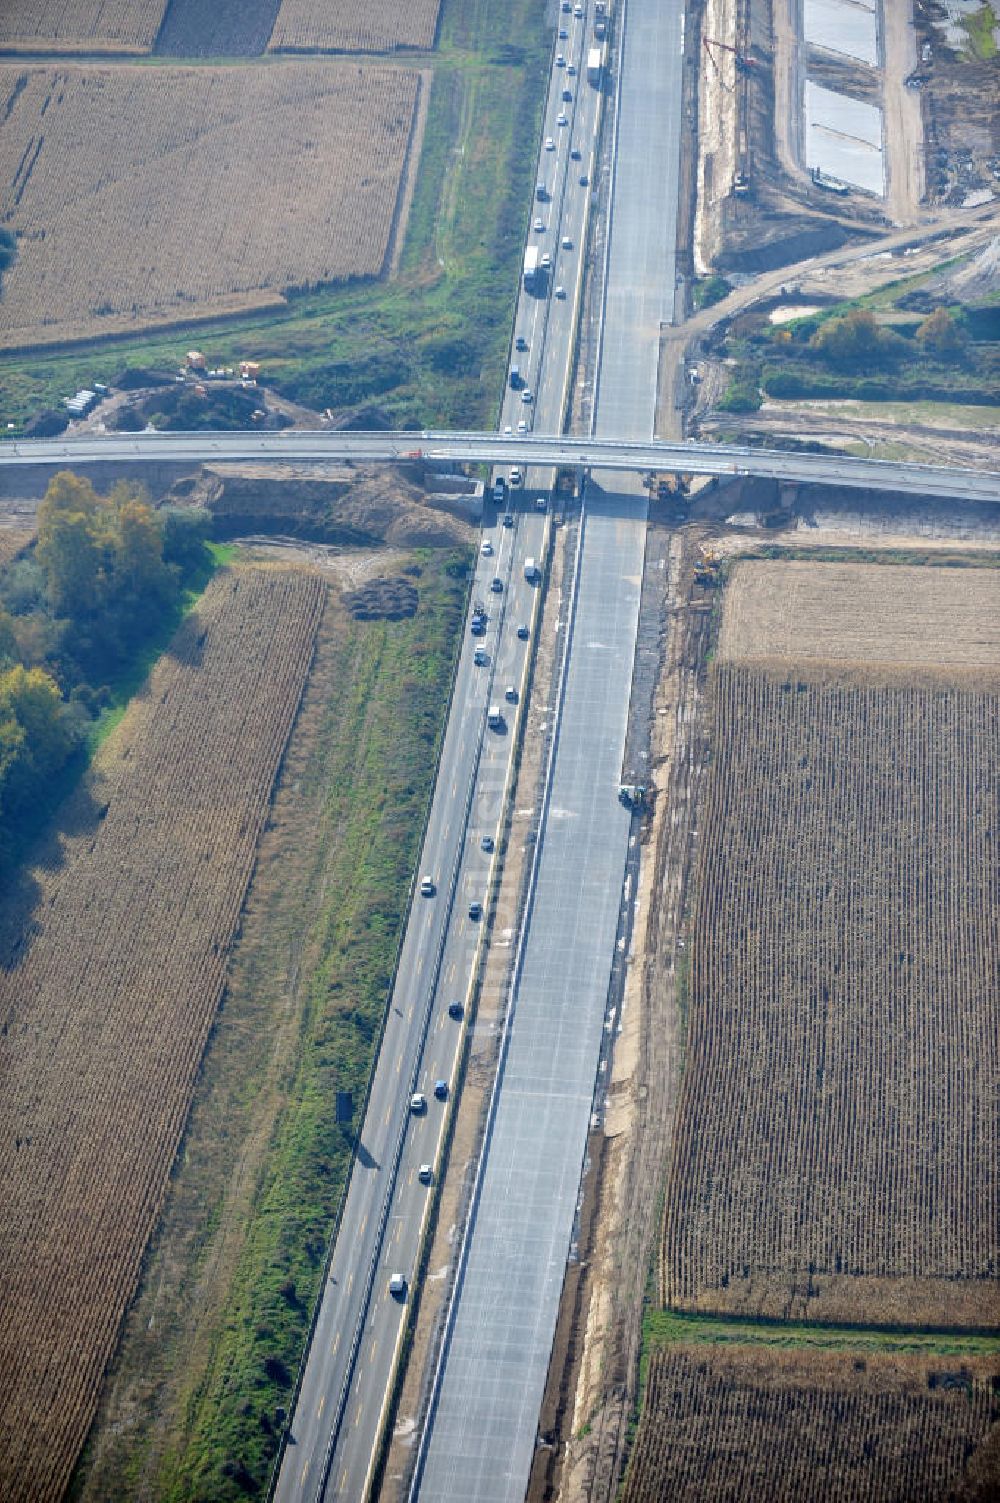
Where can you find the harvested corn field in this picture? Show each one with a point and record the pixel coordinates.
(194, 191)
(80, 25)
(839, 1128)
(345, 26)
(748, 1424)
(113, 966)
(857, 613)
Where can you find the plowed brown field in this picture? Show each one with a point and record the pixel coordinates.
(112, 970)
(346, 26)
(193, 191)
(80, 25)
(749, 1424)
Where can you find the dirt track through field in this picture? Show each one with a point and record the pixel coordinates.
(114, 957)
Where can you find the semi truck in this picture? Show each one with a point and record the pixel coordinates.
(531, 268)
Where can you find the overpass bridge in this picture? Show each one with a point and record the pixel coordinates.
(302, 446)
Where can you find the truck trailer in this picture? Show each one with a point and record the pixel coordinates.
(595, 65)
(532, 271)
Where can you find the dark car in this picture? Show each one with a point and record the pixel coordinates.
(520, 343)
(508, 519)
(441, 1090)
(523, 633)
(475, 910)
(497, 586)
(486, 844)
(455, 1010)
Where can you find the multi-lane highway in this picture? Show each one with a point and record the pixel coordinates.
(337, 1416)
(479, 1437)
(536, 448)
(348, 1374)
(480, 1433)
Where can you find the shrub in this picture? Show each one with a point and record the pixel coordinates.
(942, 335)
(857, 341)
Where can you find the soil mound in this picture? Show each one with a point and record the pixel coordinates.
(337, 504)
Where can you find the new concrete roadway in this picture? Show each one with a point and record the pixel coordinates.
(479, 1438)
(296, 445)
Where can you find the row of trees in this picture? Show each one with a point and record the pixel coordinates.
(105, 573)
(857, 340)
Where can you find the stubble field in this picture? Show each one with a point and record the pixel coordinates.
(344, 26)
(856, 613)
(112, 969)
(194, 192)
(786, 1426)
(127, 26)
(839, 1127)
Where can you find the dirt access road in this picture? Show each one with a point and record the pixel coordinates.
(843, 273)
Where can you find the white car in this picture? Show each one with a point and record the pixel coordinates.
(571, 69)
(538, 226)
(522, 426)
(560, 291)
(487, 548)
(578, 11)
(526, 395)
(560, 60)
(562, 118)
(546, 261)
(508, 429)
(550, 145)
(567, 243)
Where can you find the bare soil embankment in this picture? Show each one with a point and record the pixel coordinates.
(338, 505)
